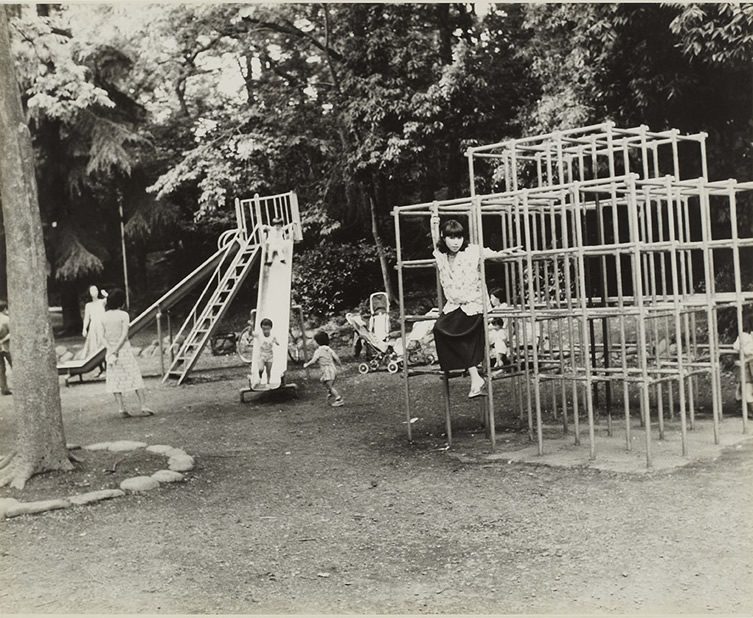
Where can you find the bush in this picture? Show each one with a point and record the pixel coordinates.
(336, 276)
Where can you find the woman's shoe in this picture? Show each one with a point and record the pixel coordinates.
(477, 392)
(337, 403)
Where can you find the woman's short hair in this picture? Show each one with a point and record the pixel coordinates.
(115, 299)
(454, 229)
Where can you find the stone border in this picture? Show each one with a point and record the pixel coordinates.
(178, 462)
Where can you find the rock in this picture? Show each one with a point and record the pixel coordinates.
(65, 357)
(159, 449)
(5, 504)
(176, 452)
(137, 484)
(73, 447)
(95, 496)
(181, 463)
(120, 446)
(60, 350)
(167, 476)
(28, 508)
(99, 446)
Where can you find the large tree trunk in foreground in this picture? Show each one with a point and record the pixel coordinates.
(36, 393)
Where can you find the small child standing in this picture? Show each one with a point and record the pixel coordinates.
(498, 341)
(266, 342)
(327, 358)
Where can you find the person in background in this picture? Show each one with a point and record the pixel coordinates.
(497, 298)
(4, 347)
(498, 342)
(123, 373)
(94, 311)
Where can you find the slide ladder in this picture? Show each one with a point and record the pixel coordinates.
(228, 243)
(212, 305)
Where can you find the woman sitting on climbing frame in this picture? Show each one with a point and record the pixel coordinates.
(459, 331)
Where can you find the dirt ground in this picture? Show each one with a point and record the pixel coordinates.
(298, 507)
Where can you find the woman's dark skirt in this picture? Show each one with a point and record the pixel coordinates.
(459, 339)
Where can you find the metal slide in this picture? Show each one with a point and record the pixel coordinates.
(170, 298)
(273, 302)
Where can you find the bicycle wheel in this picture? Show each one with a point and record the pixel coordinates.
(245, 345)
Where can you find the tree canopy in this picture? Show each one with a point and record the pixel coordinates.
(177, 109)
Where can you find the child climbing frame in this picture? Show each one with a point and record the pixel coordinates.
(617, 274)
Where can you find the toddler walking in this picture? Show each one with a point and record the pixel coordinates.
(327, 358)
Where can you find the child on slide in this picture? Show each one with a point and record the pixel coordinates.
(326, 357)
(276, 235)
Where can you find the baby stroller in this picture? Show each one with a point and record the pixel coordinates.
(379, 353)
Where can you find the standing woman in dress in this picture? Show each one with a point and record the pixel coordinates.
(123, 373)
(94, 311)
(459, 330)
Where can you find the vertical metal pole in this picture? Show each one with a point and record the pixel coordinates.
(713, 335)
(620, 291)
(304, 340)
(635, 237)
(678, 325)
(579, 243)
(738, 299)
(403, 336)
(123, 251)
(527, 222)
(170, 336)
(258, 218)
(158, 315)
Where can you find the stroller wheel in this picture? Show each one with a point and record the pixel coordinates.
(393, 367)
(430, 359)
(374, 364)
(363, 368)
(414, 358)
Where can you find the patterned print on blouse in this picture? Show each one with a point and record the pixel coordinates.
(461, 279)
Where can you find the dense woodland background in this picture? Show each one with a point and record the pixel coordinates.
(173, 111)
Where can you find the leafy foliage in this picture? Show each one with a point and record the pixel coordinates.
(334, 277)
(178, 109)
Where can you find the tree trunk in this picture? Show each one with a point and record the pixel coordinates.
(380, 248)
(70, 302)
(36, 397)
